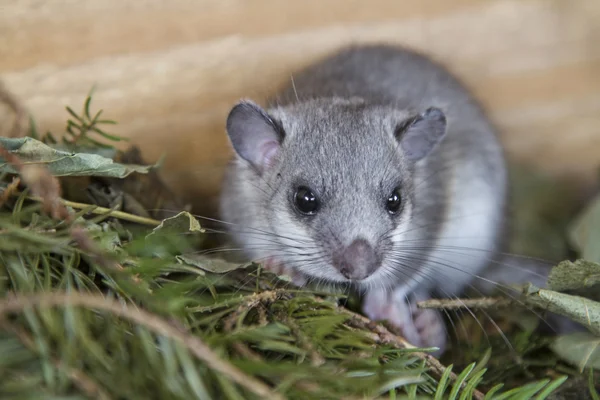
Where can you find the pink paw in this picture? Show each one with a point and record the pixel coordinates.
(431, 329)
(420, 327)
(279, 269)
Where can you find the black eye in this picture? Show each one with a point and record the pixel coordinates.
(394, 201)
(305, 200)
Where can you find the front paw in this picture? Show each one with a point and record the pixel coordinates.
(381, 306)
(420, 327)
(281, 271)
(431, 329)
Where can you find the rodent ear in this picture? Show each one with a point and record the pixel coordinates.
(253, 134)
(419, 135)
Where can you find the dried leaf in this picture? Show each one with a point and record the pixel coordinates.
(569, 275)
(215, 265)
(577, 308)
(585, 232)
(581, 349)
(184, 222)
(62, 163)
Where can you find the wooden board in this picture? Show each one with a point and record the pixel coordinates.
(169, 70)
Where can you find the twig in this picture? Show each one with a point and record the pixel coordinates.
(107, 211)
(385, 336)
(97, 210)
(9, 191)
(262, 316)
(10, 100)
(452, 304)
(81, 380)
(245, 351)
(250, 302)
(151, 321)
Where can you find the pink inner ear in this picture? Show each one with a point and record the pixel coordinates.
(268, 152)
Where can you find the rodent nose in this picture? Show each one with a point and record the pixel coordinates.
(357, 261)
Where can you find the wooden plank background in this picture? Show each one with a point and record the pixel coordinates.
(169, 70)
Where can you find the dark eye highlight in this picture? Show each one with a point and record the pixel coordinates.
(306, 201)
(394, 201)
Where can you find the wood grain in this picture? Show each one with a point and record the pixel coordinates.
(169, 70)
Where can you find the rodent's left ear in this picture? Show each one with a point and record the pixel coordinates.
(419, 135)
(253, 134)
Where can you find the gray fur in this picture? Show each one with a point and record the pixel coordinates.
(340, 120)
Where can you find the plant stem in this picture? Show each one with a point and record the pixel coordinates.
(102, 210)
(452, 304)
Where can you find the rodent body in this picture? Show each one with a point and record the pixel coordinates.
(374, 167)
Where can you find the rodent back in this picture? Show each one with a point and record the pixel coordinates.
(379, 74)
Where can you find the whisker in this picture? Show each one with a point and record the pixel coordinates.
(463, 251)
(294, 88)
(499, 286)
(215, 220)
(446, 294)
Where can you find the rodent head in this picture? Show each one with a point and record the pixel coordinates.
(335, 179)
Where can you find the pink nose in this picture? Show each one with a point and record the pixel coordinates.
(357, 261)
